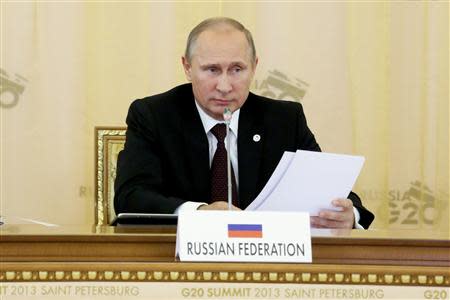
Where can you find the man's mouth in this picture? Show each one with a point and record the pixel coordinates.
(221, 101)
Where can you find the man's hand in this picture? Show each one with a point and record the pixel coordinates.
(335, 219)
(218, 205)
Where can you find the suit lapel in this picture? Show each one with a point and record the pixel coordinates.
(249, 149)
(196, 149)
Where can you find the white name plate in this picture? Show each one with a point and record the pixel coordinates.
(244, 236)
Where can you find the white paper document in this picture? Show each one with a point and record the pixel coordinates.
(308, 181)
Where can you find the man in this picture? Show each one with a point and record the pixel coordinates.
(169, 160)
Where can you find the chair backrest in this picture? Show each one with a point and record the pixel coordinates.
(109, 141)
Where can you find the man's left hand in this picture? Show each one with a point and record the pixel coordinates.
(344, 218)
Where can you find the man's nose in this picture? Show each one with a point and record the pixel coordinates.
(224, 84)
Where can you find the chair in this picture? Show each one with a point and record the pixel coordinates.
(109, 141)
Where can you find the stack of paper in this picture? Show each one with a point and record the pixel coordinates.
(308, 181)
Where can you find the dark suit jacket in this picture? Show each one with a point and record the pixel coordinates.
(165, 161)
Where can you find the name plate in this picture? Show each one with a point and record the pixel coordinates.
(244, 236)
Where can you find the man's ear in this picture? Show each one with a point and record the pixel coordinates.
(255, 64)
(186, 67)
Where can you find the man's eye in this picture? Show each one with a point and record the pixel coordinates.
(237, 69)
(212, 70)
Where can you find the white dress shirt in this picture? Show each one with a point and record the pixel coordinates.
(208, 123)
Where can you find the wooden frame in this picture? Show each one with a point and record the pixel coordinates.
(108, 143)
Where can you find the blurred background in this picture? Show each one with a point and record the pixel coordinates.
(373, 78)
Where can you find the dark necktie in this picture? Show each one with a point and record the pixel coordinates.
(219, 178)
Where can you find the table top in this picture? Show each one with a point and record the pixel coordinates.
(11, 232)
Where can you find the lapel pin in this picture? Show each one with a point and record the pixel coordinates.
(256, 138)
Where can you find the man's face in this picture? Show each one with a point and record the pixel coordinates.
(221, 70)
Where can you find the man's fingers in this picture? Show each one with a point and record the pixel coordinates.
(318, 222)
(333, 215)
(217, 205)
(344, 203)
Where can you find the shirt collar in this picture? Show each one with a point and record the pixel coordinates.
(209, 122)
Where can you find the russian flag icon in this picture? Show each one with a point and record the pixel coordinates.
(245, 230)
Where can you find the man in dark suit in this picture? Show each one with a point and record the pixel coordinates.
(171, 144)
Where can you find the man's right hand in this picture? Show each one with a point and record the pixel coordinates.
(218, 205)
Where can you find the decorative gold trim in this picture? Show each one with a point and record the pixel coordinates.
(322, 277)
(103, 134)
(339, 277)
(356, 278)
(439, 279)
(207, 276)
(289, 277)
(372, 278)
(186, 276)
(388, 278)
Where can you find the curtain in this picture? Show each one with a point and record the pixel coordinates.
(372, 77)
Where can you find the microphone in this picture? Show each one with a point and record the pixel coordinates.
(227, 118)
